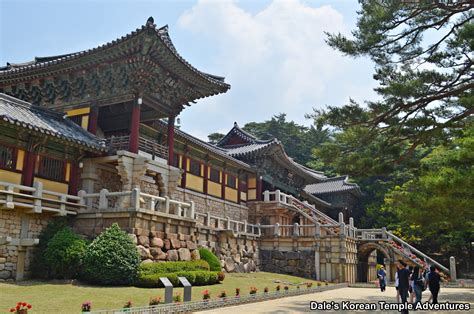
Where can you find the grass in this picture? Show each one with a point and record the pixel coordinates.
(48, 297)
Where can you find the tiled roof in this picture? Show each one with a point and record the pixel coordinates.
(251, 148)
(244, 135)
(161, 33)
(41, 120)
(333, 185)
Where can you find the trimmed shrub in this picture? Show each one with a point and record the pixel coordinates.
(39, 266)
(208, 256)
(172, 267)
(220, 276)
(112, 258)
(196, 278)
(64, 253)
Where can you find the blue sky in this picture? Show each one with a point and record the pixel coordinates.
(271, 52)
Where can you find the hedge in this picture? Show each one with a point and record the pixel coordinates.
(209, 257)
(173, 267)
(195, 278)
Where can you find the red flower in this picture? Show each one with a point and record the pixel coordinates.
(29, 306)
(23, 304)
(18, 307)
(12, 310)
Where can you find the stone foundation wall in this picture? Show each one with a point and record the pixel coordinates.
(213, 205)
(16, 224)
(299, 263)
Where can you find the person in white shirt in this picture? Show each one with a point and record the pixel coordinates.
(396, 286)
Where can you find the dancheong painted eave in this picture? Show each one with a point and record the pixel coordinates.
(144, 61)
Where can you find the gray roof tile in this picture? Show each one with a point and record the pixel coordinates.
(332, 185)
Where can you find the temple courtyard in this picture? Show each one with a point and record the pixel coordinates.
(301, 303)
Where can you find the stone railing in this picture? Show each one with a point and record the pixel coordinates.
(136, 200)
(145, 144)
(37, 200)
(228, 224)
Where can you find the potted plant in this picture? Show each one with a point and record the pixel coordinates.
(222, 295)
(206, 295)
(265, 290)
(86, 306)
(154, 301)
(253, 291)
(21, 308)
(278, 288)
(237, 292)
(309, 285)
(177, 298)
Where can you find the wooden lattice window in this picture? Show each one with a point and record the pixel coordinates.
(195, 167)
(176, 160)
(7, 157)
(231, 181)
(214, 175)
(77, 120)
(51, 168)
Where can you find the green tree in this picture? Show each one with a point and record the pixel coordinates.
(214, 138)
(422, 52)
(438, 203)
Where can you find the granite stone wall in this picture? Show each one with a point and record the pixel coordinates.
(299, 263)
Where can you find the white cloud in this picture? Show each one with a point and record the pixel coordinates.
(276, 60)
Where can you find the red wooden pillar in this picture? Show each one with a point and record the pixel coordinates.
(135, 127)
(184, 167)
(28, 172)
(170, 140)
(73, 179)
(205, 178)
(239, 188)
(93, 118)
(224, 175)
(259, 188)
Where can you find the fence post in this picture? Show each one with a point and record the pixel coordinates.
(62, 206)
(318, 230)
(167, 204)
(82, 195)
(296, 230)
(266, 196)
(384, 232)
(152, 204)
(37, 193)
(276, 231)
(228, 222)
(452, 268)
(192, 214)
(277, 196)
(208, 219)
(10, 204)
(135, 199)
(245, 226)
(259, 229)
(341, 217)
(103, 202)
(342, 229)
(351, 225)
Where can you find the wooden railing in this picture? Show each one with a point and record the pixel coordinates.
(37, 200)
(145, 144)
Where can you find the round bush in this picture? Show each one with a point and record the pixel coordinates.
(202, 278)
(112, 258)
(211, 259)
(64, 253)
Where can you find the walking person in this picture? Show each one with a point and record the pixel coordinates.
(418, 284)
(425, 276)
(411, 291)
(382, 274)
(403, 282)
(396, 283)
(433, 283)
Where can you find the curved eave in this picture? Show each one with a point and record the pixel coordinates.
(316, 200)
(57, 136)
(46, 64)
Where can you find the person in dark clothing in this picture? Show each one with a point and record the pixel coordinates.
(382, 274)
(403, 282)
(433, 283)
(418, 283)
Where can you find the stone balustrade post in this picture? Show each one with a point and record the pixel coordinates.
(10, 204)
(342, 230)
(276, 231)
(266, 196)
(135, 199)
(103, 201)
(341, 217)
(259, 229)
(178, 209)
(245, 226)
(228, 222)
(192, 210)
(452, 268)
(208, 219)
(62, 206)
(318, 230)
(38, 194)
(152, 204)
(278, 196)
(82, 195)
(167, 204)
(384, 232)
(351, 225)
(296, 229)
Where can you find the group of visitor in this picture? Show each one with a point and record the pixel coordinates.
(410, 282)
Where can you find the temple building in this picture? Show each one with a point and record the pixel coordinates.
(91, 135)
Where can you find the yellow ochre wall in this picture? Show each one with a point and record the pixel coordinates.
(214, 189)
(81, 111)
(252, 189)
(10, 176)
(194, 182)
(52, 186)
(19, 159)
(230, 194)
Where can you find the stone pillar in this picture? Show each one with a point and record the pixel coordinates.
(20, 265)
(317, 262)
(452, 268)
(28, 171)
(93, 119)
(170, 140)
(135, 127)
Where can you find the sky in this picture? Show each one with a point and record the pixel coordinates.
(271, 52)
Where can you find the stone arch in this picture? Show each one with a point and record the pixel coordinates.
(365, 271)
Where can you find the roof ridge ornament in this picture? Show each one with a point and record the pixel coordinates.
(150, 22)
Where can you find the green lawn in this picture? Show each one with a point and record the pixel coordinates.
(67, 298)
